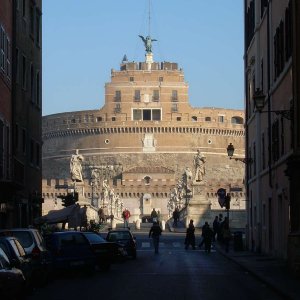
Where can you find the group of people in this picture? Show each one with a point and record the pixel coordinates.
(220, 232)
(207, 237)
(155, 216)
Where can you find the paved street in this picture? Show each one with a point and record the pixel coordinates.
(172, 274)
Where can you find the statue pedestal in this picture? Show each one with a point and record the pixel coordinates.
(199, 206)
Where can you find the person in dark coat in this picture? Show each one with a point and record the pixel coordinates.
(155, 233)
(208, 236)
(190, 236)
(216, 226)
(175, 216)
(202, 235)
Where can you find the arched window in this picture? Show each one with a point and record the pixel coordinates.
(147, 179)
(237, 120)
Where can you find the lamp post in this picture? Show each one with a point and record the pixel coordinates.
(259, 102)
(230, 152)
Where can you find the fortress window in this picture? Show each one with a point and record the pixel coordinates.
(137, 114)
(174, 96)
(194, 118)
(221, 119)
(117, 96)
(160, 79)
(147, 179)
(117, 108)
(156, 115)
(137, 95)
(174, 108)
(155, 96)
(99, 119)
(178, 118)
(113, 119)
(131, 78)
(207, 119)
(73, 121)
(237, 120)
(146, 114)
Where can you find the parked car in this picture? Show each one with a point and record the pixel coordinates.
(125, 238)
(12, 280)
(18, 258)
(34, 246)
(106, 252)
(70, 250)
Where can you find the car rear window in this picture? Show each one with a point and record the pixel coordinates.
(94, 238)
(24, 238)
(70, 239)
(115, 236)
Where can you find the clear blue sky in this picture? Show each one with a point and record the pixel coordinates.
(84, 39)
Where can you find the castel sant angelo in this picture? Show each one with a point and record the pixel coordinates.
(138, 146)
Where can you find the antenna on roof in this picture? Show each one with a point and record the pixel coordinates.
(149, 19)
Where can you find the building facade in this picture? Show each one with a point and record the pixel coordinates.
(6, 31)
(142, 140)
(21, 189)
(272, 128)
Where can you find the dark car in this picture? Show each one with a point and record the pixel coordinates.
(125, 238)
(33, 244)
(12, 281)
(18, 258)
(70, 250)
(106, 252)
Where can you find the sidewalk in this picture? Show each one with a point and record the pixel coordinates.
(271, 271)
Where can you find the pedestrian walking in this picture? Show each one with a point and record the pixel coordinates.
(207, 237)
(175, 217)
(158, 218)
(155, 233)
(216, 226)
(202, 234)
(126, 216)
(226, 234)
(190, 236)
(154, 215)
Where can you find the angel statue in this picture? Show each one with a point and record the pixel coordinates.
(76, 167)
(148, 43)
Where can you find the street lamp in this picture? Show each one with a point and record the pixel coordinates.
(259, 102)
(230, 151)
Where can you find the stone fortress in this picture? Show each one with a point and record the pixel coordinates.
(141, 141)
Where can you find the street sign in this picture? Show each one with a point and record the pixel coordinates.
(221, 196)
(61, 186)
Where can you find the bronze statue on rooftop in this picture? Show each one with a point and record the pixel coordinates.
(148, 43)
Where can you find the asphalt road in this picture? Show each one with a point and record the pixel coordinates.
(174, 273)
